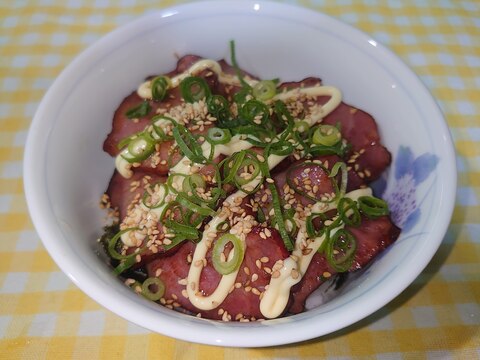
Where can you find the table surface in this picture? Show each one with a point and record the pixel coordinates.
(44, 315)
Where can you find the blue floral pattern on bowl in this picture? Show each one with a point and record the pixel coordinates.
(401, 196)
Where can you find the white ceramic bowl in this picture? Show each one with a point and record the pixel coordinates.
(66, 170)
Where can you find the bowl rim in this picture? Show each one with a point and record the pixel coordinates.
(224, 334)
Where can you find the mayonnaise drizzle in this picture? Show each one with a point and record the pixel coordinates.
(276, 295)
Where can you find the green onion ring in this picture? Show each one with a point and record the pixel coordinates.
(228, 266)
(153, 295)
(112, 244)
(174, 208)
(255, 112)
(373, 207)
(348, 211)
(171, 180)
(158, 130)
(139, 148)
(218, 136)
(264, 90)
(248, 162)
(194, 88)
(160, 86)
(341, 242)
(301, 126)
(192, 182)
(218, 106)
(223, 226)
(326, 135)
(231, 165)
(310, 227)
(163, 189)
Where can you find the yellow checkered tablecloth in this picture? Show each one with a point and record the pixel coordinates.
(43, 315)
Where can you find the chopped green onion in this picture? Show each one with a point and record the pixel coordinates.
(125, 141)
(277, 208)
(257, 134)
(218, 136)
(248, 171)
(340, 250)
(139, 148)
(173, 184)
(194, 89)
(188, 144)
(112, 245)
(223, 226)
(231, 165)
(344, 178)
(187, 203)
(173, 210)
(339, 149)
(187, 231)
(233, 58)
(261, 216)
(155, 195)
(255, 112)
(283, 114)
(160, 85)
(157, 284)
(348, 211)
(192, 182)
(326, 135)
(284, 148)
(241, 168)
(218, 106)
(158, 122)
(373, 207)
(240, 97)
(301, 126)
(125, 265)
(290, 222)
(126, 261)
(310, 226)
(221, 263)
(139, 111)
(264, 90)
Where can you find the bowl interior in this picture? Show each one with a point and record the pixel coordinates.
(66, 170)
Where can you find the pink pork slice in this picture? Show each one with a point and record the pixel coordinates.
(372, 236)
(123, 126)
(360, 130)
(123, 191)
(243, 300)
